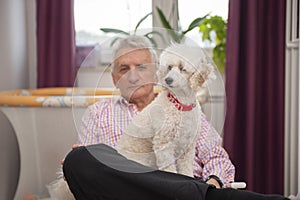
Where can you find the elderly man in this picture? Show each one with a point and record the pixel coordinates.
(93, 170)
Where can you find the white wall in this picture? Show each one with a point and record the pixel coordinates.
(17, 70)
(15, 50)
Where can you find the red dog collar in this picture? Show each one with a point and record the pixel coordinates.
(179, 105)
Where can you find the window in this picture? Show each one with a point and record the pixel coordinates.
(192, 9)
(91, 15)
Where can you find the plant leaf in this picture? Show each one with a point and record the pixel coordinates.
(167, 26)
(141, 20)
(156, 33)
(114, 41)
(113, 30)
(163, 19)
(151, 40)
(196, 22)
(219, 56)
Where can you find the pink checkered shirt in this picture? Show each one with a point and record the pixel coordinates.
(104, 122)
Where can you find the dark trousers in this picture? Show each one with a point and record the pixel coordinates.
(98, 172)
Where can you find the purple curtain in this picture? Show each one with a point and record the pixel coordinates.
(254, 125)
(55, 43)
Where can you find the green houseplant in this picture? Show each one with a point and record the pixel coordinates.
(207, 25)
(178, 35)
(148, 35)
(217, 25)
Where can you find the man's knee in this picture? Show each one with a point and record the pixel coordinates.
(74, 159)
(87, 157)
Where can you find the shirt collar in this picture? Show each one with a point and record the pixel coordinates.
(122, 101)
(118, 99)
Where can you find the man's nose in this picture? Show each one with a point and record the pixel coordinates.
(133, 76)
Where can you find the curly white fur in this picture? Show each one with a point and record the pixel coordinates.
(161, 136)
(59, 189)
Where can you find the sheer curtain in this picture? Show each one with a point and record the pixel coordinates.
(55, 43)
(254, 125)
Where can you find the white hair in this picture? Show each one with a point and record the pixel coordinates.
(134, 42)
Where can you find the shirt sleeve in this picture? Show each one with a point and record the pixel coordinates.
(90, 131)
(211, 158)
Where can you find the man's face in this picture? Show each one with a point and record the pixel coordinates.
(134, 73)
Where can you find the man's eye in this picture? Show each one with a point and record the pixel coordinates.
(123, 69)
(141, 67)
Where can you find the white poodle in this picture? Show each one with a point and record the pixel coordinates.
(163, 135)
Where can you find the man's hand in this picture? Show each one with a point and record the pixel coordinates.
(74, 146)
(213, 182)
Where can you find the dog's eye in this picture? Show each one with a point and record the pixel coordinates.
(169, 67)
(181, 68)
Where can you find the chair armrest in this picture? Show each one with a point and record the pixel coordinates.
(237, 185)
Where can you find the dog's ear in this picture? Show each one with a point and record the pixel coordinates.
(203, 74)
(196, 81)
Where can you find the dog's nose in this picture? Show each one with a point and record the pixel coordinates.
(169, 80)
